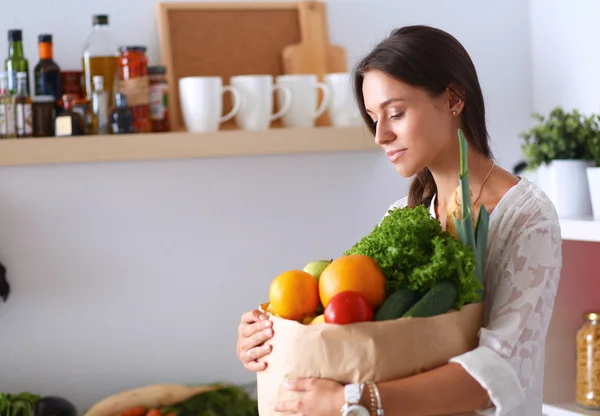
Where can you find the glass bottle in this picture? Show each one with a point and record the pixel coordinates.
(68, 122)
(100, 57)
(16, 61)
(159, 98)
(100, 106)
(134, 83)
(47, 72)
(8, 128)
(23, 107)
(588, 363)
(121, 117)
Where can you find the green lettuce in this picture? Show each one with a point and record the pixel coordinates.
(414, 253)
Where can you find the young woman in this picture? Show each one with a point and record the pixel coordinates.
(415, 90)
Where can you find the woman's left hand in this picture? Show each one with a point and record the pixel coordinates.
(320, 397)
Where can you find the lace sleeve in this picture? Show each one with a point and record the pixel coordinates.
(510, 354)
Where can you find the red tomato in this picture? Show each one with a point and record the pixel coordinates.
(348, 307)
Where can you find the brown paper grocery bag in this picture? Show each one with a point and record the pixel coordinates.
(378, 351)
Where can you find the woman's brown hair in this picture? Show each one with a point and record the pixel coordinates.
(433, 60)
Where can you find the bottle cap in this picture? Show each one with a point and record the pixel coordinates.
(592, 316)
(98, 81)
(45, 38)
(15, 35)
(100, 19)
(133, 48)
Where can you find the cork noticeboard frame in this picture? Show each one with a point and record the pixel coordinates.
(223, 39)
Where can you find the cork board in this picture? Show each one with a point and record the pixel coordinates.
(223, 39)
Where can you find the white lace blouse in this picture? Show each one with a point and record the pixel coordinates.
(522, 272)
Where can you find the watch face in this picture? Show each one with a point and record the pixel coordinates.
(356, 410)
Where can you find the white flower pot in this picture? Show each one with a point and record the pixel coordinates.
(566, 184)
(593, 174)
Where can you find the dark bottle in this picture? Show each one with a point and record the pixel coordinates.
(16, 61)
(121, 118)
(46, 72)
(68, 122)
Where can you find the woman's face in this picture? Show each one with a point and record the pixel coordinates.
(412, 127)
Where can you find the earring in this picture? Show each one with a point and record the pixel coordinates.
(454, 112)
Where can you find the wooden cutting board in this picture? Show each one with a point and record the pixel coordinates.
(314, 54)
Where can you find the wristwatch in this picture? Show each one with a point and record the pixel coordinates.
(352, 395)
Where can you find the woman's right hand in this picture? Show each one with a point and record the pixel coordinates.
(255, 328)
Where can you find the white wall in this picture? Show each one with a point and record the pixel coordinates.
(564, 40)
(133, 273)
(564, 44)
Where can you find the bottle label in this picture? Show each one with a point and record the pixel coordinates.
(158, 101)
(24, 120)
(136, 90)
(7, 120)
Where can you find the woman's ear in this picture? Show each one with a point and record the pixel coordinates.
(456, 98)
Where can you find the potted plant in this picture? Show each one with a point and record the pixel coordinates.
(558, 148)
(593, 174)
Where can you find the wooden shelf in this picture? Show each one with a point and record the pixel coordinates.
(567, 410)
(182, 145)
(581, 230)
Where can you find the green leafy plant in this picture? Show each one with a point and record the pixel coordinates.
(594, 148)
(561, 135)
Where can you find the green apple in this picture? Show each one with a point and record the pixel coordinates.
(316, 267)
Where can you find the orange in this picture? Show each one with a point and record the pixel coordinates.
(318, 320)
(294, 295)
(354, 272)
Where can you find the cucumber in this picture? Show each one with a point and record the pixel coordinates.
(396, 305)
(440, 299)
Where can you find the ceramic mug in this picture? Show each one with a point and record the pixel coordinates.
(256, 109)
(304, 108)
(342, 108)
(201, 100)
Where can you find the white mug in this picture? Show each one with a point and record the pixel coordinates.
(256, 108)
(201, 100)
(342, 108)
(305, 108)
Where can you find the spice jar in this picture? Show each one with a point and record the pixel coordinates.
(588, 363)
(44, 113)
(159, 112)
(134, 84)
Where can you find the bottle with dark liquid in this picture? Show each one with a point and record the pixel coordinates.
(121, 117)
(68, 122)
(23, 107)
(47, 72)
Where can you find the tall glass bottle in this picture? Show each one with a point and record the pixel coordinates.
(8, 128)
(100, 106)
(23, 107)
(100, 57)
(16, 61)
(47, 72)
